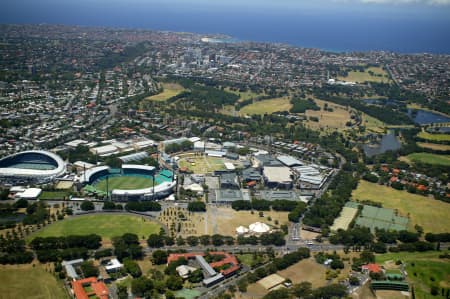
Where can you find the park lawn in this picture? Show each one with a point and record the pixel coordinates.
(54, 195)
(125, 183)
(427, 212)
(267, 106)
(372, 124)
(434, 146)
(334, 120)
(361, 77)
(422, 269)
(202, 164)
(429, 158)
(105, 225)
(169, 91)
(26, 281)
(434, 137)
(244, 95)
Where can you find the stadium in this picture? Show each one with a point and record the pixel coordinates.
(31, 167)
(130, 182)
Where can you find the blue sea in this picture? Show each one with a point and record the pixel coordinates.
(337, 28)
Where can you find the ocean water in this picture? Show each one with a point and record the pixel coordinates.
(338, 29)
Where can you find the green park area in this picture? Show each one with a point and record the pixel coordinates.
(267, 106)
(54, 195)
(370, 74)
(429, 158)
(29, 281)
(434, 137)
(244, 95)
(427, 212)
(169, 90)
(425, 270)
(124, 183)
(105, 225)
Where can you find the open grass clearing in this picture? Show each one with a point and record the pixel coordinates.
(372, 124)
(267, 106)
(125, 183)
(54, 195)
(434, 146)
(244, 95)
(222, 220)
(434, 137)
(424, 270)
(26, 281)
(328, 120)
(427, 212)
(105, 225)
(371, 74)
(429, 158)
(169, 90)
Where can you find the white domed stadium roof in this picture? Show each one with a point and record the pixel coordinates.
(259, 227)
(241, 230)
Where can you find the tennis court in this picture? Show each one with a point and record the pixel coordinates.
(382, 218)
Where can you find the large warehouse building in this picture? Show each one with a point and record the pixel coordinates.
(31, 167)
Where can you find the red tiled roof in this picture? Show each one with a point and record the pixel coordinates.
(99, 288)
(375, 268)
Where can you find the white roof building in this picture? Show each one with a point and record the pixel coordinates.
(259, 228)
(30, 193)
(241, 230)
(185, 270)
(113, 265)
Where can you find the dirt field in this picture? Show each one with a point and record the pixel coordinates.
(202, 164)
(224, 220)
(344, 219)
(306, 270)
(434, 146)
(328, 120)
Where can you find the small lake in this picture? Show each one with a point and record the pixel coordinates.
(389, 142)
(423, 117)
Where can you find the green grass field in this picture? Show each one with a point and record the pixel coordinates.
(53, 195)
(202, 164)
(434, 137)
(245, 95)
(169, 90)
(267, 106)
(25, 281)
(431, 214)
(422, 269)
(125, 183)
(429, 158)
(361, 77)
(105, 225)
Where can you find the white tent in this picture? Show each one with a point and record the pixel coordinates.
(259, 228)
(241, 230)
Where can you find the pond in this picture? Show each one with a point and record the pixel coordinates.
(423, 117)
(389, 142)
